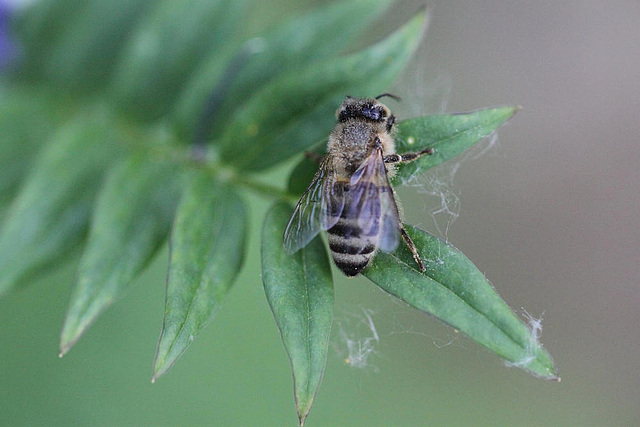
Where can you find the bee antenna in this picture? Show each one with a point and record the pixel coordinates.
(390, 95)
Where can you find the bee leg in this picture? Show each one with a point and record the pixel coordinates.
(315, 156)
(412, 248)
(407, 157)
(391, 122)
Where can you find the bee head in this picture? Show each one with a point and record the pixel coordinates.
(362, 108)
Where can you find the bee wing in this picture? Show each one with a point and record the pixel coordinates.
(372, 198)
(319, 208)
(390, 233)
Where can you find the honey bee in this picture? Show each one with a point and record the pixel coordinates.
(350, 195)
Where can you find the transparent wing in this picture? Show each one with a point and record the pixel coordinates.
(319, 208)
(371, 197)
(390, 233)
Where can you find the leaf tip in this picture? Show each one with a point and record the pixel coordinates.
(68, 338)
(167, 355)
(423, 18)
(303, 407)
(551, 376)
(158, 369)
(504, 113)
(302, 417)
(425, 12)
(72, 331)
(513, 111)
(65, 346)
(164, 361)
(509, 112)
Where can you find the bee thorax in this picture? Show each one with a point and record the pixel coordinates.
(353, 141)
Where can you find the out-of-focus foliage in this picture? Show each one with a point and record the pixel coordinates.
(127, 124)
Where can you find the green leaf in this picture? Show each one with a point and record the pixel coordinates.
(299, 289)
(42, 21)
(40, 26)
(132, 219)
(50, 215)
(207, 250)
(89, 48)
(303, 173)
(85, 42)
(448, 135)
(299, 41)
(456, 292)
(27, 118)
(297, 109)
(167, 47)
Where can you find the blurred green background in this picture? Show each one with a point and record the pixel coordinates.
(548, 212)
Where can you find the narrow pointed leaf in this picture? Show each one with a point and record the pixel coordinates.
(319, 34)
(51, 213)
(167, 47)
(207, 250)
(299, 290)
(456, 292)
(297, 109)
(132, 219)
(448, 135)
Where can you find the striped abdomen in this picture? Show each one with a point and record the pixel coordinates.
(353, 240)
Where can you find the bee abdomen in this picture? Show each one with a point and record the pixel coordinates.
(351, 252)
(351, 265)
(350, 245)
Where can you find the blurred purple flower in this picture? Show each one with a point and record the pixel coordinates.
(7, 48)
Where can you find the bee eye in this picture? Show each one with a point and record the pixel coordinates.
(370, 113)
(373, 113)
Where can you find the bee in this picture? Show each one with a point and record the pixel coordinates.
(350, 195)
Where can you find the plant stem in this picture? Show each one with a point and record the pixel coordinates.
(196, 156)
(265, 189)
